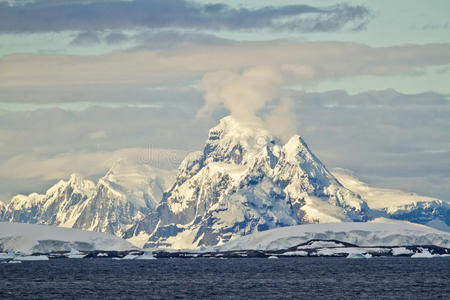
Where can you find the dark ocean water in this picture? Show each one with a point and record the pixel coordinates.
(254, 278)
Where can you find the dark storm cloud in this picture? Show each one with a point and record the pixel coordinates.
(165, 39)
(45, 16)
(148, 39)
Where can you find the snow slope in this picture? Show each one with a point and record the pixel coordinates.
(123, 197)
(129, 191)
(376, 233)
(398, 204)
(60, 205)
(31, 238)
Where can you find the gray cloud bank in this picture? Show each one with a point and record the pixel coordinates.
(47, 15)
(124, 76)
(388, 138)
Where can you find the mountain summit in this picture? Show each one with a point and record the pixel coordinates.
(246, 180)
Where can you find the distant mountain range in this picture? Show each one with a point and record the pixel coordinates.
(120, 199)
(244, 181)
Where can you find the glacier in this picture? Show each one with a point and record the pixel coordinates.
(32, 238)
(399, 205)
(380, 232)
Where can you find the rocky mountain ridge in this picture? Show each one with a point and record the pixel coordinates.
(244, 181)
(127, 193)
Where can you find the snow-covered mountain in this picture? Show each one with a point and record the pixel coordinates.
(123, 197)
(247, 180)
(396, 204)
(244, 181)
(60, 205)
(127, 193)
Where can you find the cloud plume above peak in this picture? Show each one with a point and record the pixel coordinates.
(52, 16)
(242, 94)
(247, 96)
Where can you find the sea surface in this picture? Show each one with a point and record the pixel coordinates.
(246, 278)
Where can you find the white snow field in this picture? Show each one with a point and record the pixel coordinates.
(30, 238)
(396, 233)
(391, 201)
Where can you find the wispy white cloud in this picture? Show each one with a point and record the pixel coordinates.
(86, 163)
(246, 94)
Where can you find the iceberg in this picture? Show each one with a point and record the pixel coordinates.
(75, 254)
(357, 255)
(32, 258)
(146, 256)
(424, 254)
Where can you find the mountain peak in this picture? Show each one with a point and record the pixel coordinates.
(294, 144)
(252, 132)
(76, 182)
(233, 122)
(246, 180)
(75, 178)
(240, 142)
(246, 131)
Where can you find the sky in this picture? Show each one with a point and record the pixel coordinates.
(84, 83)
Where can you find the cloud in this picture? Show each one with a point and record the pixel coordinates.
(27, 173)
(95, 135)
(344, 16)
(85, 39)
(246, 94)
(85, 163)
(381, 135)
(129, 75)
(173, 39)
(49, 132)
(282, 120)
(51, 16)
(243, 94)
(388, 138)
(116, 38)
(435, 26)
(147, 39)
